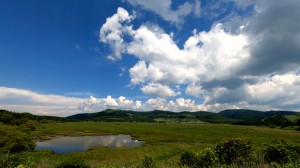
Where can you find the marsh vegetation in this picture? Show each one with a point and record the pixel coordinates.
(170, 144)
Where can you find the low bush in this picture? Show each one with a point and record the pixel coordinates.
(16, 142)
(206, 158)
(148, 162)
(72, 164)
(282, 152)
(29, 126)
(27, 162)
(6, 160)
(233, 150)
(13, 160)
(189, 159)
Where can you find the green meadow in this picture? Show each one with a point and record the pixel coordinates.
(165, 142)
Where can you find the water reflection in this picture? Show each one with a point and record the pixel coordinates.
(68, 144)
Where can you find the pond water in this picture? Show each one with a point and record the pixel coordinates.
(66, 144)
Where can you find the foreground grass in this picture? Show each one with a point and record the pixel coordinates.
(164, 142)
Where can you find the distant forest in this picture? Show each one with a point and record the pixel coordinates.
(234, 116)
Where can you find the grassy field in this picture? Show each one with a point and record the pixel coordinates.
(164, 141)
(293, 118)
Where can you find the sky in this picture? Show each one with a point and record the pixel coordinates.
(62, 57)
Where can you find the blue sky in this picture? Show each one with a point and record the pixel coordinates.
(62, 57)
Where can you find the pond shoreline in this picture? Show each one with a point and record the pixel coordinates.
(64, 144)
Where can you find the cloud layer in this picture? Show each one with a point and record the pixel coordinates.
(273, 92)
(249, 60)
(274, 33)
(21, 100)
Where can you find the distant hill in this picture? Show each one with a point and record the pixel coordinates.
(246, 114)
(110, 115)
(234, 116)
(8, 117)
(283, 113)
(243, 114)
(151, 116)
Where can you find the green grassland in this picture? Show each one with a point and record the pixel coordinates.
(163, 141)
(167, 135)
(293, 118)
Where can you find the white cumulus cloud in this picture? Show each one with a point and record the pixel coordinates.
(206, 56)
(158, 90)
(113, 30)
(247, 59)
(138, 73)
(164, 9)
(182, 104)
(281, 90)
(194, 90)
(93, 104)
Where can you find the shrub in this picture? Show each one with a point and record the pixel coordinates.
(7, 118)
(28, 162)
(206, 158)
(289, 165)
(281, 152)
(30, 125)
(6, 160)
(17, 142)
(189, 159)
(232, 150)
(298, 122)
(13, 160)
(72, 164)
(148, 162)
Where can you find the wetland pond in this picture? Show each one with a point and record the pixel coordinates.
(66, 144)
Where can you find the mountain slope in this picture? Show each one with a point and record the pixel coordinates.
(245, 114)
(237, 116)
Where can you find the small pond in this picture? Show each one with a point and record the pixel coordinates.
(66, 144)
